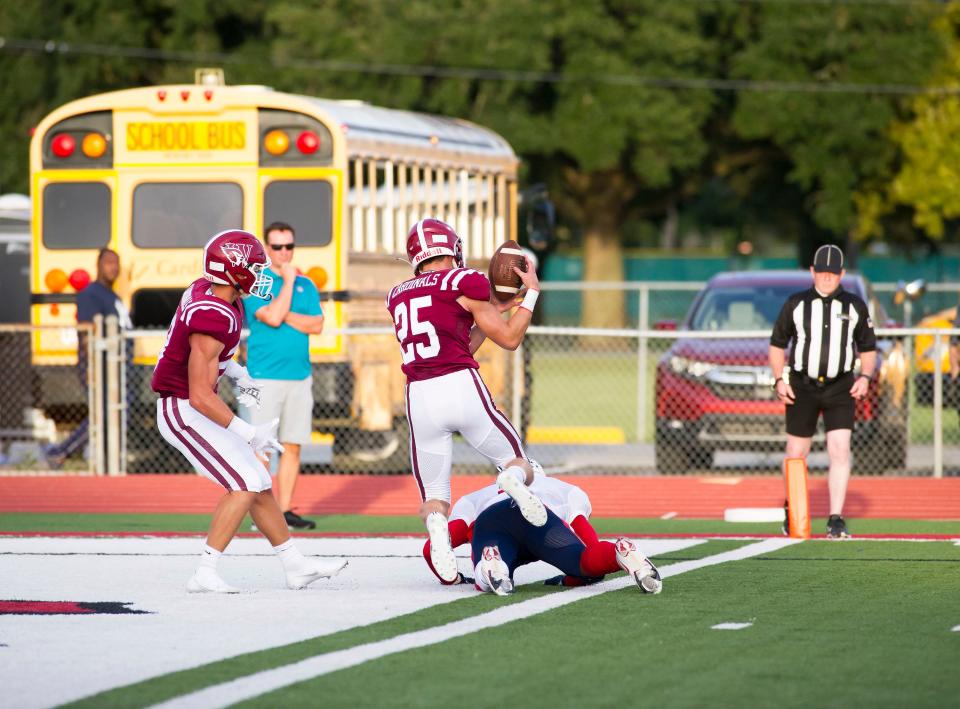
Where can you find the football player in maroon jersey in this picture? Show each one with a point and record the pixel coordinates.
(441, 316)
(199, 349)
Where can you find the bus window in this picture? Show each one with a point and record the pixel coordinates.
(184, 214)
(303, 204)
(76, 215)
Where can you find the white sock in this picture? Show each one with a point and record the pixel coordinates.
(209, 557)
(517, 472)
(290, 556)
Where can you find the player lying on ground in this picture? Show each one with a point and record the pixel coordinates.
(199, 349)
(501, 540)
(441, 316)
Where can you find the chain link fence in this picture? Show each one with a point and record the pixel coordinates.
(639, 400)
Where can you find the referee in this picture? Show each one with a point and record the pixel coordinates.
(829, 328)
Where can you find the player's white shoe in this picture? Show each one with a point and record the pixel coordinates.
(494, 572)
(531, 507)
(441, 553)
(644, 573)
(206, 580)
(314, 569)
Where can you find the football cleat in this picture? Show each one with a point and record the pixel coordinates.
(644, 573)
(312, 570)
(441, 553)
(495, 572)
(531, 507)
(206, 580)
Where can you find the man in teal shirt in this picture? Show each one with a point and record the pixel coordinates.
(278, 358)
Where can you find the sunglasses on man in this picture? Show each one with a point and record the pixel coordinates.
(281, 247)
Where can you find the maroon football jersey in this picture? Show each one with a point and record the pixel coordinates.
(199, 311)
(432, 327)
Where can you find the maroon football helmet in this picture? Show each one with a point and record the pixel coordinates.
(431, 237)
(237, 258)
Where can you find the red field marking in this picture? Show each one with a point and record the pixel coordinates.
(612, 496)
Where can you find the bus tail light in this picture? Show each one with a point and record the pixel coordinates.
(79, 279)
(276, 142)
(94, 145)
(63, 145)
(319, 277)
(308, 142)
(55, 281)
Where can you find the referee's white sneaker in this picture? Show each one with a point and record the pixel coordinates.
(531, 507)
(644, 573)
(312, 570)
(441, 553)
(207, 580)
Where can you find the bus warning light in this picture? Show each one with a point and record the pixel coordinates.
(162, 95)
(308, 143)
(94, 145)
(63, 145)
(276, 142)
(318, 275)
(55, 280)
(79, 279)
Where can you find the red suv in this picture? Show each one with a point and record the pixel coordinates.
(716, 394)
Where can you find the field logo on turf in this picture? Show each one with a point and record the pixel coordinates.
(21, 607)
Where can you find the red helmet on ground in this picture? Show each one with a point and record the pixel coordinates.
(429, 238)
(237, 258)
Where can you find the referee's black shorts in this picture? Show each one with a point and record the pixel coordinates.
(832, 399)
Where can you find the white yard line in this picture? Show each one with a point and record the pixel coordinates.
(260, 683)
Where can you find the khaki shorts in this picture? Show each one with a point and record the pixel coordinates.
(292, 402)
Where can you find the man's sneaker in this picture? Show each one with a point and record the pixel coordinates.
(206, 580)
(441, 553)
(495, 572)
(295, 521)
(530, 505)
(644, 573)
(314, 569)
(837, 528)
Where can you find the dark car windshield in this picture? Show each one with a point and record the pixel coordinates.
(740, 308)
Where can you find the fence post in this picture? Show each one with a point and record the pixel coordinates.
(937, 407)
(908, 357)
(97, 390)
(643, 326)
(113, 398)
(516, 390)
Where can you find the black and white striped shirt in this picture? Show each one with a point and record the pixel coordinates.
(827, 331)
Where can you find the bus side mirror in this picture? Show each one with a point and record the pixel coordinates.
(539, 219)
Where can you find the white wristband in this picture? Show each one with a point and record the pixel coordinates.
(243, 429)
(530, 300)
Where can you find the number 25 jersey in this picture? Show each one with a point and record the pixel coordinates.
(432, 327)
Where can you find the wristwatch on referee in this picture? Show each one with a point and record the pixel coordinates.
(777, 381)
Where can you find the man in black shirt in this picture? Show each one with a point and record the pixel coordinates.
(98, 298)
(829, 328)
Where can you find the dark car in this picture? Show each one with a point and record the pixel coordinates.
(716, 394)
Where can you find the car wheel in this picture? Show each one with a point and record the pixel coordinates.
(671, 457)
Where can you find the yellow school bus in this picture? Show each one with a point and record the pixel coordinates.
(154, 172)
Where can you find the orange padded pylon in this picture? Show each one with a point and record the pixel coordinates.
(798, 500)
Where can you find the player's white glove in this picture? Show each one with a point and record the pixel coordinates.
(262, 437)
(248, 393)
(265, 437)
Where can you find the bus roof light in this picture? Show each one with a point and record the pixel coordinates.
(63, 145)
(184, 95)
(94, 145)
(276, 142)
(307, 142)
(162, 95)
(208, 94)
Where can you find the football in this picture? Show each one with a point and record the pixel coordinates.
(503, 279)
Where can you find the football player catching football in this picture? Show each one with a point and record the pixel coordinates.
(199, 349)
(441, 317)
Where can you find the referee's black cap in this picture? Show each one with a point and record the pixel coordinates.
(828, 258)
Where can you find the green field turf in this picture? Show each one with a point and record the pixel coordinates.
(373, 524)
(850, 624)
